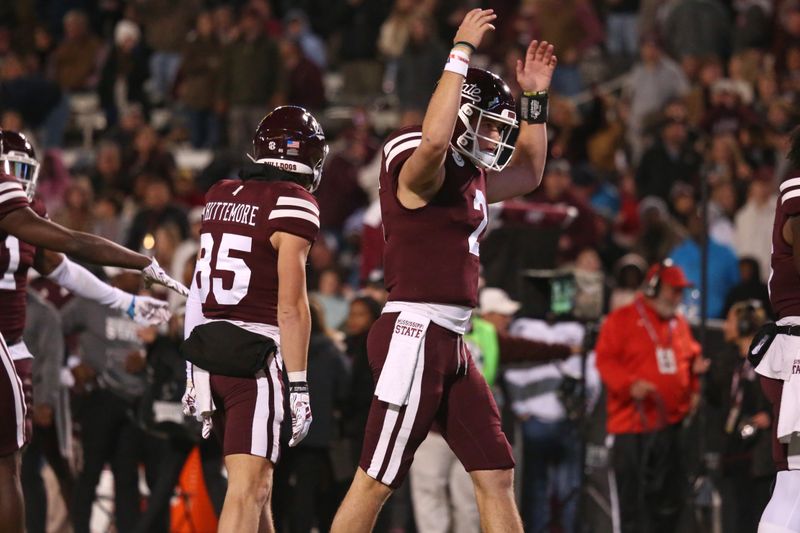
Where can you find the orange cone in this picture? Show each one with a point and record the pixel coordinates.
(192, 511)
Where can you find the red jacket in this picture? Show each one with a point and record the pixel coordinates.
(626, 352)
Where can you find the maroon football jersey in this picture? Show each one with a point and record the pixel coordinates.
(784, 281)
(431, 253)
(237, 267)
(16, 257)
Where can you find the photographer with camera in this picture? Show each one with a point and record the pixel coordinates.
(733, 390)
(649, 362)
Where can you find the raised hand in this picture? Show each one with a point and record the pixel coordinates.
(155, 274)
(474, 26)
(537, 70)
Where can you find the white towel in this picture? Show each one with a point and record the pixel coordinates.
(405, 349)
(782, 361)
(197, 400)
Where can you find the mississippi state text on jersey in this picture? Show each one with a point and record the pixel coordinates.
(16, 258)
(237, 267)
(431, 253)
(784, 281)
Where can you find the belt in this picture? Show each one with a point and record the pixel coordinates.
(792, 330)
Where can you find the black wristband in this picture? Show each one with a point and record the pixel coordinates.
(533, 107)
(468, 45)
(298, 386)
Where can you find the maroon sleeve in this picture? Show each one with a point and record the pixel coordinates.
(12, 196)
(39, 208)
(790, 196)
(397, 149)
(296, 212)
(520, 350)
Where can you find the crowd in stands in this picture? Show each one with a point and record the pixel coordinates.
(136, 107)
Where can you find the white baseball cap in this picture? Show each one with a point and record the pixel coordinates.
(494, 300)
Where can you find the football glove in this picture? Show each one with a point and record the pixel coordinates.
(155, 274)
(300, 406)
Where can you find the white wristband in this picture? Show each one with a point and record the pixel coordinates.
(457, 62)
(294, 377)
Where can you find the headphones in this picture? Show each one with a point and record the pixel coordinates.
(654, 284)
(749, 317)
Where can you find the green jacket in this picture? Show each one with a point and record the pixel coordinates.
(484, 336)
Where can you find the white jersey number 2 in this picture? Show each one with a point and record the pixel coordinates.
(241, 273)
(8, 282)
(480, 205)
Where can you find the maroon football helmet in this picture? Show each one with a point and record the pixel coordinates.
(485, 96)
(18, 159)
(291, 139)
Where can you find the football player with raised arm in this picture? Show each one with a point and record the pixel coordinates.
(778, 367)
(435, 184)
(28, 239)
(254, 240)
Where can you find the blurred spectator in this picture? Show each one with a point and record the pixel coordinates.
(109, 378)
(670, 159)
(364, 311)
(698, 28)
(38, 100)
(166, 23)
(751, 286)
(648, 361)
(272, 25)
(105, 176)
(197, 82)
(340, 194)
(331, 298)
(622, 28)
(659, 234)
(557, 189)
(298, 30)
(250, 81)
(157, 209)
(304, 85)
(76, 212)
(745, 416)
(361, 21)
(573, 27)
(721, 209)
(305, 491)
(723, 269)
(653, 82)
(418, 68)
(52, 439)
(754, 221)
(107, 215)
(148, 157)
(550, 443)
(54, 180)
(396, 29)
(629, 273)
(76, 58)
(225, 27)
(727, 113)
(752, 24)
(124, 73)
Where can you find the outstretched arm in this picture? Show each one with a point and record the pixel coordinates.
(524, 172)
(75, 278)
(423, 173)
(27, 226)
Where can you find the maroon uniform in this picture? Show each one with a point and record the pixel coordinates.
(431, 256)
(431, 253)
(784, 281)
(237, 280)
(13, 410)
(237, 269)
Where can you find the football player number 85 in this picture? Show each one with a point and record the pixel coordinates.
(480, 205)
(241, 273)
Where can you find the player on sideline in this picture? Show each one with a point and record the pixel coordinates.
(435, 185)
(29, 239)
(782, 514)
(254, 241)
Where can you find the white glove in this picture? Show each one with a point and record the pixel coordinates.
(300, 405)
(155, 274)
(147, 311)
(189, 402)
